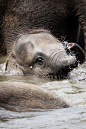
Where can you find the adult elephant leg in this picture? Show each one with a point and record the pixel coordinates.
(79, 10)
(85, 23)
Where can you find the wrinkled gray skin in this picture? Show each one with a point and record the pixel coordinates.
(65, 18)
(40, 54)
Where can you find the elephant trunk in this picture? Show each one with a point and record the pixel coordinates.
(61, 60)
(65, 61)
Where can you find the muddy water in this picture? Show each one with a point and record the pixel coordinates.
(73, 90)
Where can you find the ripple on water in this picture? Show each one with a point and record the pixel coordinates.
(72, 90)
(79, 73)
(71, 118)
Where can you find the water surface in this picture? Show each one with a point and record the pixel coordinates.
(72, 90)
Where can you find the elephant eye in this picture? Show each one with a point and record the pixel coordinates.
(39, 60)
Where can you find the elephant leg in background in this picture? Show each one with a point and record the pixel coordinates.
(80, 38)
(52, 19)
(78, 8)
(85, 26)
(81, 13)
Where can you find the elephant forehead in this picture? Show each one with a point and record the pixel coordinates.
(39, 43)
(38, 38)
(49, 48)
(44, 42)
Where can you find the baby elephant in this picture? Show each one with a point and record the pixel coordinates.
(40, 53)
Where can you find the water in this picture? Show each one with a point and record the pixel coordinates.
(73, 90)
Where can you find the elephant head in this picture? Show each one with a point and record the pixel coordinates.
(40, 53)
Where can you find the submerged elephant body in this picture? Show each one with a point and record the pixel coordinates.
(27, 95)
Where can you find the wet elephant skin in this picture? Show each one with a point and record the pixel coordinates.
(27, 95)
(61, 18)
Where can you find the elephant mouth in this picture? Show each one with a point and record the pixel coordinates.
(59, 76)
(62, 73)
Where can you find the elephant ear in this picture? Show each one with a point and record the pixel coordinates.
(79, 9)
(12, 66)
